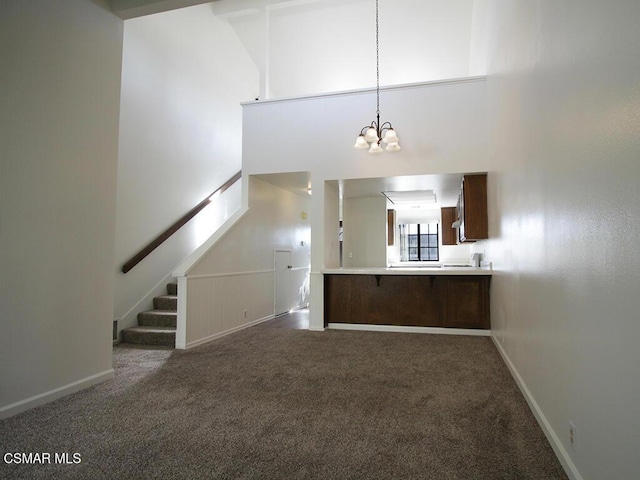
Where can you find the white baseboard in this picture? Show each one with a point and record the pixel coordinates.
(565, 460)
(303, 306)
(46, 397)
(210, 338)
(405, 329)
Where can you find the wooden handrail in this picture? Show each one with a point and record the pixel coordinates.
(155, 243)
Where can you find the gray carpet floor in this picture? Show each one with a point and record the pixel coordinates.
(277, 403)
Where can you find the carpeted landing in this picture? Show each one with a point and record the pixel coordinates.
(274, 403)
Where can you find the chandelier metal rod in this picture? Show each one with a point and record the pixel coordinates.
(377, 66)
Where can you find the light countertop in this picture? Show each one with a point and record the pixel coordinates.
(409, 271)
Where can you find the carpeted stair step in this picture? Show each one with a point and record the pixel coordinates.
(150, 336)
(166, 302)
(158, 326)
(158, 318)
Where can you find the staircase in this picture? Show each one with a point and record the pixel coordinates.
(157, 326)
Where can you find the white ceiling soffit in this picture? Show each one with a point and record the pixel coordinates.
(295, 182)
(127, 9)
(235, 8)
(445, 187)
(411, 197)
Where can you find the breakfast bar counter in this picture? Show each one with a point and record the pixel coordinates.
(445, 297)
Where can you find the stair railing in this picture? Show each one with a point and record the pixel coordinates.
(160, 239)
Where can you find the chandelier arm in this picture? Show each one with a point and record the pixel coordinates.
(373, 125)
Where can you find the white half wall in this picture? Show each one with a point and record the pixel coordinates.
(564, 116)
(232, 285)
(180, 139)
(59, 97)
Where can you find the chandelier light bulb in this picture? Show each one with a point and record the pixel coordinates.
(390, 136)
(376, 148)
(393, 147)
(361, 143)
(371, 135)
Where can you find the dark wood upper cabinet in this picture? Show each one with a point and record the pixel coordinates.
(449, 234)
(391, 227)
(472, 209)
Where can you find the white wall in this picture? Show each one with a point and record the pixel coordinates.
(365, 232)
(481, 31)
(329, 45)
(59, 96)
(180, 139)
(564, 112)
(442, 129)
(237, 274)
(331, 225)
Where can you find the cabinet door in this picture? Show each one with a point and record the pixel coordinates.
(449, 234)
(384, 300)
(391, 227)
(467, 302)
(473, 208)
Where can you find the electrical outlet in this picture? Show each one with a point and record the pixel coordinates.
(572, 435)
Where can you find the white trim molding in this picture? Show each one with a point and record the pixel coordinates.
(51, 395)
(565, 460)
(181, 323)
(404, 86)
(230, 274)
(406, 329)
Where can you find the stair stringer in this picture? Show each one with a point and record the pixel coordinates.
(182, 270)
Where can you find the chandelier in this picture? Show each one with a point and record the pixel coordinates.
(371, 135)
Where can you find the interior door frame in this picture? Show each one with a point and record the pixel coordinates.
(276, 280)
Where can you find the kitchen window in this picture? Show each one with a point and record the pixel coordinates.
(419, 242)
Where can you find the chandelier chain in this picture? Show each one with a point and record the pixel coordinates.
(377, 64)
(377, 132)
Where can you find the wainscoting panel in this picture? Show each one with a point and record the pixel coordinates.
(299, 287)
(223, 303)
